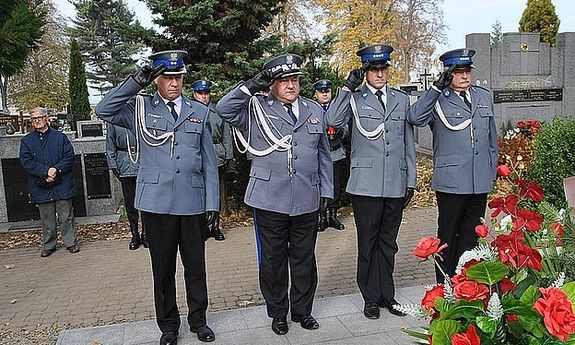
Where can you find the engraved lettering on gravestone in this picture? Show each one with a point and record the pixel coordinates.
(526, 82)
(97, 176)
(529, 95)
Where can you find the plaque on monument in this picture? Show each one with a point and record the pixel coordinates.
(529, 95)
(97, 176)
(90, 129)
(18, 206)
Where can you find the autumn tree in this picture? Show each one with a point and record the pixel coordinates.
(77, 87)
(294, 22)
(42, 82)
(539, 16)
(100, 28)
(21, 27)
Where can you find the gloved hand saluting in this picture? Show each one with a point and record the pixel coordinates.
(324, 203)
(408, 196)
(445, 78)
(146, 75)
(261, 82)
(354, 79)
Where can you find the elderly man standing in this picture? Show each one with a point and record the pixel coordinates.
(47, 156)
(177, 188)
(222, 136)
(461, 118)
(290, 178)
(382, 177)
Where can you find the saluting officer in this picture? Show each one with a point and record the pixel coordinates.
(461, 119)
(222, 136)
(382, 177)
(122, 160)
(177, 188)
(328, 218)
(290, 177)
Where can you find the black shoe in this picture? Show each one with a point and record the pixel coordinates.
(333, 222)
(144, 237)
(306, 321)
(134, 243)
(371, 310)
(169, 338)
(321, 221)
(279, 325)
(204, 333)
(218, 235)
(389, 303)
(47, 253)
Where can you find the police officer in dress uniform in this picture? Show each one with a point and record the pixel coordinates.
(122, 160)
(177, 189)
(290, 177)
(328, 218)
(222, 136)
(382, 176)
(461, 119)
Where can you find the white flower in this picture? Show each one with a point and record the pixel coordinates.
(494, 308)
(414, 310)
(560, 215)
(505, 221)
(482, 252)
(558, 283)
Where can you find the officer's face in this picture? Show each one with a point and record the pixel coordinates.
(323, 96)
(377, 76)
(286, 89)
(203, 96)
(461, 80)
(170, 86)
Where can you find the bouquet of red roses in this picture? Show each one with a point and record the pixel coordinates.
(511, 288)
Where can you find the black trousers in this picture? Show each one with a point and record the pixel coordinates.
(458, 216)
(338, 167)
(167, 233)
(129, 191)
(377, 220)
(284, 239)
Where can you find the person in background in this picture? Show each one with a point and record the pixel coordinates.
(48, 158)
(461, 119)
(122, 160)
(222, 136)
(328, 218)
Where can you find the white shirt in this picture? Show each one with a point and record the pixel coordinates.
(383, 90)
(294, 108)
(177, 101)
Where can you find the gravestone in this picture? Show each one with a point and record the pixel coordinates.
(90, 128)
(97, 176)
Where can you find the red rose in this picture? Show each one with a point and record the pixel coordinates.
(428, 246)
(557, 228)
(468, 338)
(503, 170)
(431, 295)
(481, 230)
(557, 312)
(471, 290)
(458, 278)
(521, 124)
(506, 285)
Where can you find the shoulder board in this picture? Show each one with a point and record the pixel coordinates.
(312, 101)
(481, 87)
(399, 90)
(144, 94)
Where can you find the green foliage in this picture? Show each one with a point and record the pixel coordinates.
(554, 158)
(100, 29)
(539, 16)
(79, 101)
(488, 272)
(496, 33)
(21, 23)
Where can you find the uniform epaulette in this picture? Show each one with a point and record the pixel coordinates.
(399, 90)
(481, 87)
(144, 94)
(313, 101)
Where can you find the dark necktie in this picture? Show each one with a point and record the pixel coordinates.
(464, 95)
(290, 112)
(172, 106)
(379, 95)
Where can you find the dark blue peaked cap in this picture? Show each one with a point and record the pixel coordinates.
(172, 59)
(323, 84)
(284, 65)
(376, 55)
(202, 85)
(461, 58)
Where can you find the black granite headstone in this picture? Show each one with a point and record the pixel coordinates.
(93, 129)
(97, 176)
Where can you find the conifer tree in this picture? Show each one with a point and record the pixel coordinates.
(77, 87)
(540, 16)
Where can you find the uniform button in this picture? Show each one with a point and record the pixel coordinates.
(387, 131)
(295, 172)
(476, 140)
(295, 130)
(387, 154)
(177, 171)
(177, 157)
(474, 128)
(387, 143)
(476, 153)
(294, 157)
(294, 144)
(176, 143)
(175, 129)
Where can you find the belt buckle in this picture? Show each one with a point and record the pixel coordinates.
(132, 149)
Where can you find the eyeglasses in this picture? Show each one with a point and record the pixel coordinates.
(37, 118)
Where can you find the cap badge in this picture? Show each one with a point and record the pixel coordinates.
(465, 52)
(377, 49)
(289, 59)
